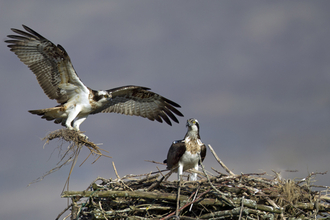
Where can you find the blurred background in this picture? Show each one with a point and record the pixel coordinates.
(255, 74)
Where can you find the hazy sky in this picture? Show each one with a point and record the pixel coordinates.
(255, 74)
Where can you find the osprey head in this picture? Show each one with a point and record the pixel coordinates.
(192, 125)
(102, 96)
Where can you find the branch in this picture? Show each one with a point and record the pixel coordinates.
(220, 162)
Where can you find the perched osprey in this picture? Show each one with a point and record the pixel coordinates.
(52, 66)
(183, 154)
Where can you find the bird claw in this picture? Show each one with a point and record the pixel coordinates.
(83, 136)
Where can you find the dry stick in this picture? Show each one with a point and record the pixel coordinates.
(160, 171)
(118, 177)
(271, 202)
(86, 159)
(172, 197)
(217, 171)
(66, 209)
(155, 184)
(220, 162)
(98, 178)
(76, 153)
(102, 210)
(66, 216)
(100, 157)
(152, 161)
(90, 153)
(240, 212)
(76, 141)
(228, 201)
(74, 210)
(229, 214)
(178, 198)
(187, 204)
(194, 198)
(114, 167)
(129, 176)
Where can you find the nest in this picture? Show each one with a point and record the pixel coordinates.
(220, 196)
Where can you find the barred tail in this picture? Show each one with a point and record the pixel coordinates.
(56, 113)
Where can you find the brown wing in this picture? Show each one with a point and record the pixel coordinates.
(203, 152)
(174, 154)
(50, 63)
(136, 100)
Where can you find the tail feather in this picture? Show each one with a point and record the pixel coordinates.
(55, 113)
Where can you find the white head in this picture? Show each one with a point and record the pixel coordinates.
(192, 125)
(101, 96)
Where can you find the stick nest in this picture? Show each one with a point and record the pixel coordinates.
(220, 196)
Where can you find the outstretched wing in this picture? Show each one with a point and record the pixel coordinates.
(139, 101)
(50, 63)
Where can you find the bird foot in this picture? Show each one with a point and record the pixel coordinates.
(83, 136)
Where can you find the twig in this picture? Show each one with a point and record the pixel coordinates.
(74, 210)
(114, 167)
(155, 184)
(66, 217)
(119, 179)
(194, 199)
(233, 212)
(66, 209)
(152, 161)
(104, 180)
(102, 211)
(222, 196)
(138, 194)
(240, 212)
(220, 162)
(178, 198)
(76, 141)
(218, 172)
(187, 204)
(90, 153)
(159, 171)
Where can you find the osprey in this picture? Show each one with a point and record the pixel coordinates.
(58, 79)
(184, 154)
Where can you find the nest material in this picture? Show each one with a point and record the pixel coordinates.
(78, 139)
(70, 155)
(148, 196)
(245, 196)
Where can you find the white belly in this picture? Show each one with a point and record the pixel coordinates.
(189, 160)
(79, 102)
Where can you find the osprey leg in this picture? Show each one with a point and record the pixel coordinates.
(193, 176)
(78, 122)
(71, 116)
(180, 171)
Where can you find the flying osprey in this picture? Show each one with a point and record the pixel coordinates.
(183, 154)
(52, 66)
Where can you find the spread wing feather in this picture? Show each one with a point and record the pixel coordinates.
(50, 63)
(139, 101)
(56, 76)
